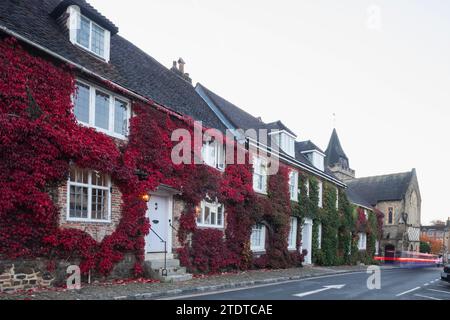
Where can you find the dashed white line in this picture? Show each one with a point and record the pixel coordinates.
(426, 284)
(427, 297)
(446, 292)
(409, 291)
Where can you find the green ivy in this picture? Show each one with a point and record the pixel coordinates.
(339, 243)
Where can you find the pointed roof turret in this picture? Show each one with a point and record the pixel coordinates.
(334, 153)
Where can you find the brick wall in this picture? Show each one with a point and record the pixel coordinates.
(97, 230)
(178, 207)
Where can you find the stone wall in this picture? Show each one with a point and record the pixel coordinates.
(23, 275)
(18, 275)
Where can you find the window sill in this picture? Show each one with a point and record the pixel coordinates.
(258, 250)
(104, 131)
(87, 50)
(260, 191)
(209, 226)
(89, 221)
(214, 167)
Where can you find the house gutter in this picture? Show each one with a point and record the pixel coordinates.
(301, 165)
(131, 93)
(89, 72)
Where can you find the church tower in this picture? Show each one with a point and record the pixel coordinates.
(336, 159)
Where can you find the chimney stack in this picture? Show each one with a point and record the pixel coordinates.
(179, 70)
(181, 64)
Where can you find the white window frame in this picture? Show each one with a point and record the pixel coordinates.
(319, 236)
(106, 36)
(219, 155)
(320, 193)
(213, 208)
(337, 198)
(112, 105)
(90, 186)
(292, 237)
(307, 187)
(362, 241)
(261, 247)
(285, 141)
(377, 247)
(293, 175)
(258, 164)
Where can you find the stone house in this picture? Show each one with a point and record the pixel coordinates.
(397, 196)
(440, 233)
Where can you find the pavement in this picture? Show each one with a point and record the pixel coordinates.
(395, 284)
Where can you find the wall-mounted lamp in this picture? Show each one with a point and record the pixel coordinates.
(145, 197)
(197, 211)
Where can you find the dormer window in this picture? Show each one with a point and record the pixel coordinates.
(91, 36)
(317, 158)
(286, 142)
(88, 35)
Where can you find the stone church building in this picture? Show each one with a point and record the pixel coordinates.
(396, 195)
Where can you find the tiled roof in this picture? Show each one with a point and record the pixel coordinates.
(129, 66)
(87, 10)
(307, 146)
(241, 119)
(388, 187)
(238, 117)
(278, 125)
(357, 199)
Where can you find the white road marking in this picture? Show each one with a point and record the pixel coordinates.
(338, 286)
(439, 291)
(426, 284)
(264, 285)
(409, 291)
(427, 297)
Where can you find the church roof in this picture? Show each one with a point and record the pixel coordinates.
(334, 150)
(388, 187)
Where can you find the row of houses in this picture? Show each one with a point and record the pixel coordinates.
(439, 234)
(112, 76)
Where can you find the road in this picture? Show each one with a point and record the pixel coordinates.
(395, 284)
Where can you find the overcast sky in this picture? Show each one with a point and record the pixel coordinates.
(383, 67)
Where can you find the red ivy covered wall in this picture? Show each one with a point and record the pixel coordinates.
(40, 139)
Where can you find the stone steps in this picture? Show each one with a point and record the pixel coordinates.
(175, 273)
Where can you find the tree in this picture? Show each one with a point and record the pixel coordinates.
(436, 246)
(425, 247)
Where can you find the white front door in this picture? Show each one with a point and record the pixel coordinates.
(307, 239)
(158, 214)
